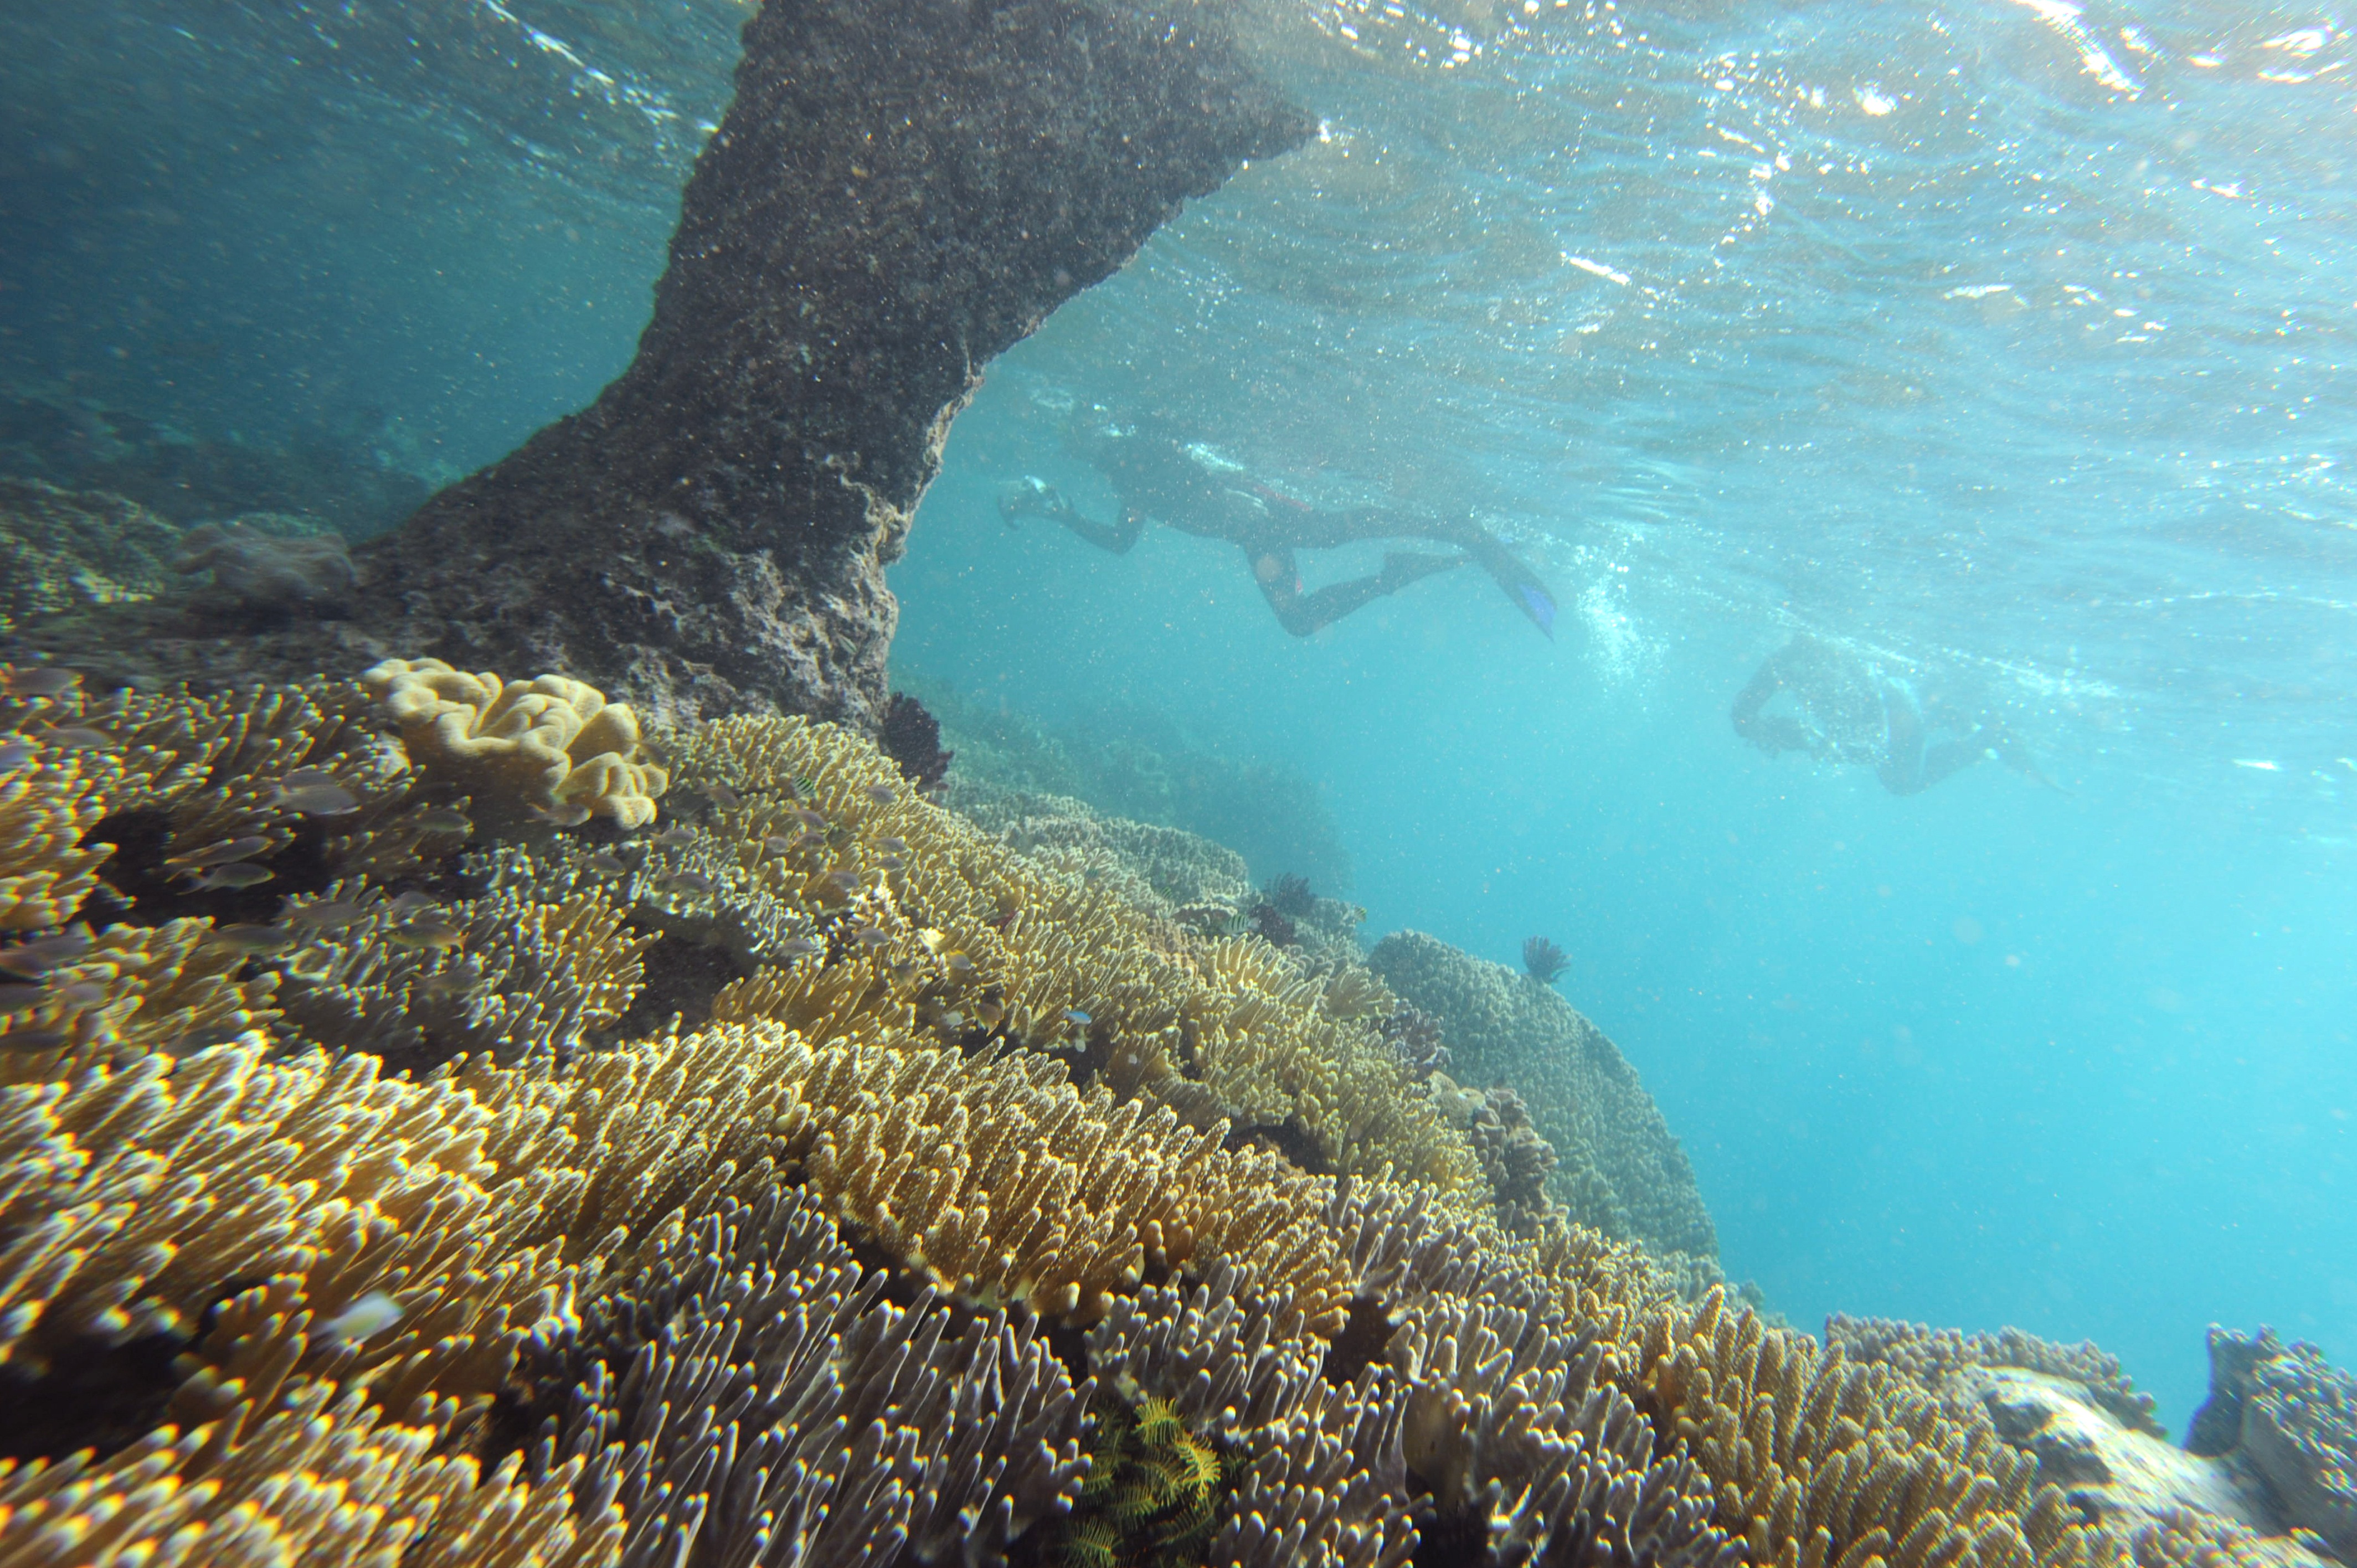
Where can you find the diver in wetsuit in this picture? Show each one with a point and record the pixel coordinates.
(1845, 710)
(1196, 492)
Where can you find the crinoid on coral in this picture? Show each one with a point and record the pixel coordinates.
(1289, 894)
(1543, 960)
(549, 747)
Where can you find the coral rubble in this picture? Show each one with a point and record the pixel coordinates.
(357, 1205)
(1620, 1170)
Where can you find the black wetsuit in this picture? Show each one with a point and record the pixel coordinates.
(1157, 478)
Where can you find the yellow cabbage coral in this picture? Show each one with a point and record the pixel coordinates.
(545, 743)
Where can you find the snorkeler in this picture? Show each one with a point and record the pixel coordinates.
(1196, 492)
(1845, 710)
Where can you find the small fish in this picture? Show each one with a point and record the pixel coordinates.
(445, 820)
(237, 874)
(410, 902)
(893, 845)
(81, 994)
(953, 1020)
(28, 962)
(957, 964)
(443, 984)
(259, 940)
(219, 853)
(684, 882)
(368, 1315)
(430, 932)
(563, 814)
(605, 865)
(810, 819)
(872, 937)
(16, 754)
(890, 863)
(779, 843)
(326, 914)
(44, 683)
(843, 880)
(305, 779)
(882, 794)
(319, 800)
(77, 735)
(800, 947)
(1074, 1015)
(988, 1014)
(33, 1039)
(311, 963)
(903, 970)
(16, 996)
(722, 796)
(675, 838)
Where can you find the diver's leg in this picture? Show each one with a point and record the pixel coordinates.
(1030, 496)
(1951, 757)
(1301, 614)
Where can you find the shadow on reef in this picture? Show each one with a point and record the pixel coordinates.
(380, 1182)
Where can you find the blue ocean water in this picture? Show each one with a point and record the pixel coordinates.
(2005, 344)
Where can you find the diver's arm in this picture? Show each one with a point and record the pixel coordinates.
(1031, 497)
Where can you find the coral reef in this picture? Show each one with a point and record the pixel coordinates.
(2291, 1416)
(355, 1206)
(62, 550)
(1514, 1158)
(1620, 1171)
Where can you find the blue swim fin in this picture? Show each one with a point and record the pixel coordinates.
(1539, 605)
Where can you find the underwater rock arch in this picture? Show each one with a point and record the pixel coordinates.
(896, 195)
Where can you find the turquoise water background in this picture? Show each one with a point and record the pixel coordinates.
(2006, 340)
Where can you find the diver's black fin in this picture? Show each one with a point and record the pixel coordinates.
(1522, 584)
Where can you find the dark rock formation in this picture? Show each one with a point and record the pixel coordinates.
(912, 737)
